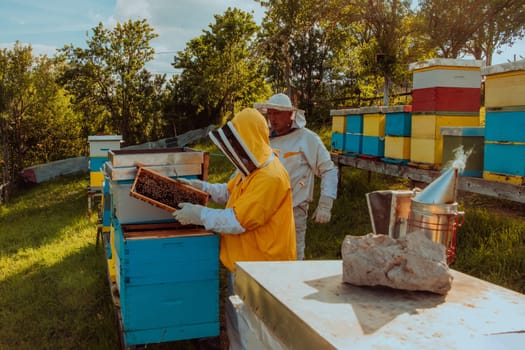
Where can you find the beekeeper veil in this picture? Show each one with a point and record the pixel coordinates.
(245, 141)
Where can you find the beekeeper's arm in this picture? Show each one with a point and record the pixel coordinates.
(324, 167)
(217, 220)
(218, 192)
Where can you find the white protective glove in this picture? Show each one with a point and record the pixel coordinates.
(323, 213)
(198, 184)
(218, 192)
(189, 214)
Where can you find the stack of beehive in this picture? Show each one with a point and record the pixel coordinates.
(99, 146)
(373, 132)
(338, 130)
(504, 159)
(378, 132)
(397, 133)
(119, 174)
(446, 92)
(347, 131)
(166, 274)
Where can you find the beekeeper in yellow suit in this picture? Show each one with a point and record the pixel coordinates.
(257, 222)
(304, 155)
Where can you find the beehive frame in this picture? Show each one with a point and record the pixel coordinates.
(163, 191)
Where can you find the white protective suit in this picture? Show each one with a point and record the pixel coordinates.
(304, 156)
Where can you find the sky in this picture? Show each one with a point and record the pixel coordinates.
(50, 24)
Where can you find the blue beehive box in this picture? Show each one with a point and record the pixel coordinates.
(505, 125)
(338, 142)
(96, 163)
(353, 143)
(354, 124)
(106, 203)
(505, 158)
(168, 282)
(398, 124)
(373, 146)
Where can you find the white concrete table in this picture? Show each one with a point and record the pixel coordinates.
(305, 305)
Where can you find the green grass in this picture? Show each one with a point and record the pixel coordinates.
(491, 246)
(54, 292)
(52, 279)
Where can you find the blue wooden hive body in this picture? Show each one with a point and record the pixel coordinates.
(168, 280)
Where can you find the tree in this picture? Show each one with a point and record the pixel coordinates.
(17, 95)
(111, 85)
(37, 123)
(387, 47)
(504, 29)
(303, 41)
(477, 27)
(4, 141)
(54, 129)
(220, 72)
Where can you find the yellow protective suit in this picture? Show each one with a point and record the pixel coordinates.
(261, 200)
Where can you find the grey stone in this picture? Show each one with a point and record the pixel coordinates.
(413, 262)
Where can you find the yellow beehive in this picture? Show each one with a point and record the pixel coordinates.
(374, 124)
(339, 123)
(426, 145)
(426, 150)
(428, 125)
(510, 179)
(505, 84)
(112, 269)
(397, 147)
(482, 115)
(96, 178)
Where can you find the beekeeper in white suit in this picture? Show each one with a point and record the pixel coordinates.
(304, 156)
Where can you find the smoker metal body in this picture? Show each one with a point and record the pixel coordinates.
(439, 222)
(389, 211)
(397, 213)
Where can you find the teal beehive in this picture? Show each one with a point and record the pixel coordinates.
(354, 124)
(505, 158)
(505, 125)
(353, 143)
(373, 146)
(168, 282)
(338, 142)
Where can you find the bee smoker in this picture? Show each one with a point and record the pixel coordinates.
(432, 211)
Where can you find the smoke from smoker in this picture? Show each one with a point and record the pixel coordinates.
(443, 189)
(460, 159)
